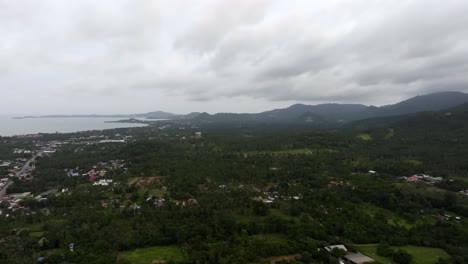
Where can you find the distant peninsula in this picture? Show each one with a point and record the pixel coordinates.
(149, 115)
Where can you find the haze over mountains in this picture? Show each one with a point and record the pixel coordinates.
(333, 113)
(322, 113)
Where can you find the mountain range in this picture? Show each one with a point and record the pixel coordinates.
(342, 113)
(315, 114)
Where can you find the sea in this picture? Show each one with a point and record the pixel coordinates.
(10, 126)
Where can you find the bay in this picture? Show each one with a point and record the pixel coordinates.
(11, 127)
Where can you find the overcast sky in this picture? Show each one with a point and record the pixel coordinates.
(118, 56)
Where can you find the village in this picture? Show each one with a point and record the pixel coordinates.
(420, 178)
(115, 186)
(101, 174)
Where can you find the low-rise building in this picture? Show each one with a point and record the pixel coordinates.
(103, 182)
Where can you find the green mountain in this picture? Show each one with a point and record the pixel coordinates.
(342, 113)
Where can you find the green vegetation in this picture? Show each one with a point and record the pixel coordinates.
(148, 255)
(305, 151)
(244, 194)
(364, 136)
(390, 133)
(36, 234)
(414, 162)
(421, 255)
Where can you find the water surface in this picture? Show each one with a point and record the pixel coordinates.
(10, 126)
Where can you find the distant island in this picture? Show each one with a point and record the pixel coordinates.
(135, 121)
(149, 115)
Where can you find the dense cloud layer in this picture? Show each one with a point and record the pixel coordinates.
(129, 56)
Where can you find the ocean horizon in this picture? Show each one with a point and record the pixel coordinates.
(10, 126)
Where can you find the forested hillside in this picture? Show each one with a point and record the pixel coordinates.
(246, 194)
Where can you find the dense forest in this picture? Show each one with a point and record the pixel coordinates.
(247, 193)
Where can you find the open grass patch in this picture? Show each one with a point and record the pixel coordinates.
(364, 136)
(148, 255)
(425, 254)
(421, 255)
(390, 133)
(414, 162)
(37, 234)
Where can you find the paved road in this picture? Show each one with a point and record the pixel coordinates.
(3, 190)
(26, 169)
(27, 166)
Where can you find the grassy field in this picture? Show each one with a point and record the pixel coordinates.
(147, 255)
(421, 255)
(390, 133)
(36, 234)
(414, 162)
(392, 218)
(364, 136)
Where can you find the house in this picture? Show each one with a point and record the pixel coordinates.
(342, 247)
(357, 258)
(49, 151)
(337, 183)
(188, 202)
(413, 178)
(5, 164)
(192, 201)
(73, 174)
(103, 182)
(350, 257)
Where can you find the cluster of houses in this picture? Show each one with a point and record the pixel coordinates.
(28, 136)
(15, 166)
(50, 147)
(420, 178)
(185, 203)
(102, 139)
(337, 183)
(104, 182)
(22, 151)
(94, 173)
(12, 167)
(158, 201)
(14, 200)
(270, 197)
(5, 164)
(99, 171)
(446, 217)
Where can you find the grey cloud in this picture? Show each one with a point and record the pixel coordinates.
(219, 20)
(257, 51)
